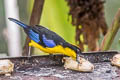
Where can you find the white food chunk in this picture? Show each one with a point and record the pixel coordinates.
(83, 66)
(6, 66)
(116, 60)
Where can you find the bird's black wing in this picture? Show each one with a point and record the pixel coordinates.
(48, 38)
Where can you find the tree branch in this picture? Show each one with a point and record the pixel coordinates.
(109, 37)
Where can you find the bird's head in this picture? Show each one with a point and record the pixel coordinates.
(76, 51)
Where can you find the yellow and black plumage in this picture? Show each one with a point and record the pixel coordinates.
(48, 41)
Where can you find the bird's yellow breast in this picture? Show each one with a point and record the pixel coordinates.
(57, 49)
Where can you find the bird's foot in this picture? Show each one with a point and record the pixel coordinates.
(29, 53)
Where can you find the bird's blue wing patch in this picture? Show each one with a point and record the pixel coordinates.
(47, 42)
(34, 36)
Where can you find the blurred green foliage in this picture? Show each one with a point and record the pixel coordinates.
(55, 17)
(111, 7)
(3, 43)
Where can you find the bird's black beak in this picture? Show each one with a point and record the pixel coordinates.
(78, 56)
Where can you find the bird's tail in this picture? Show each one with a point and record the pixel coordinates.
(19, 23)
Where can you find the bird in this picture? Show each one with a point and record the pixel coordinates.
(48, 41)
